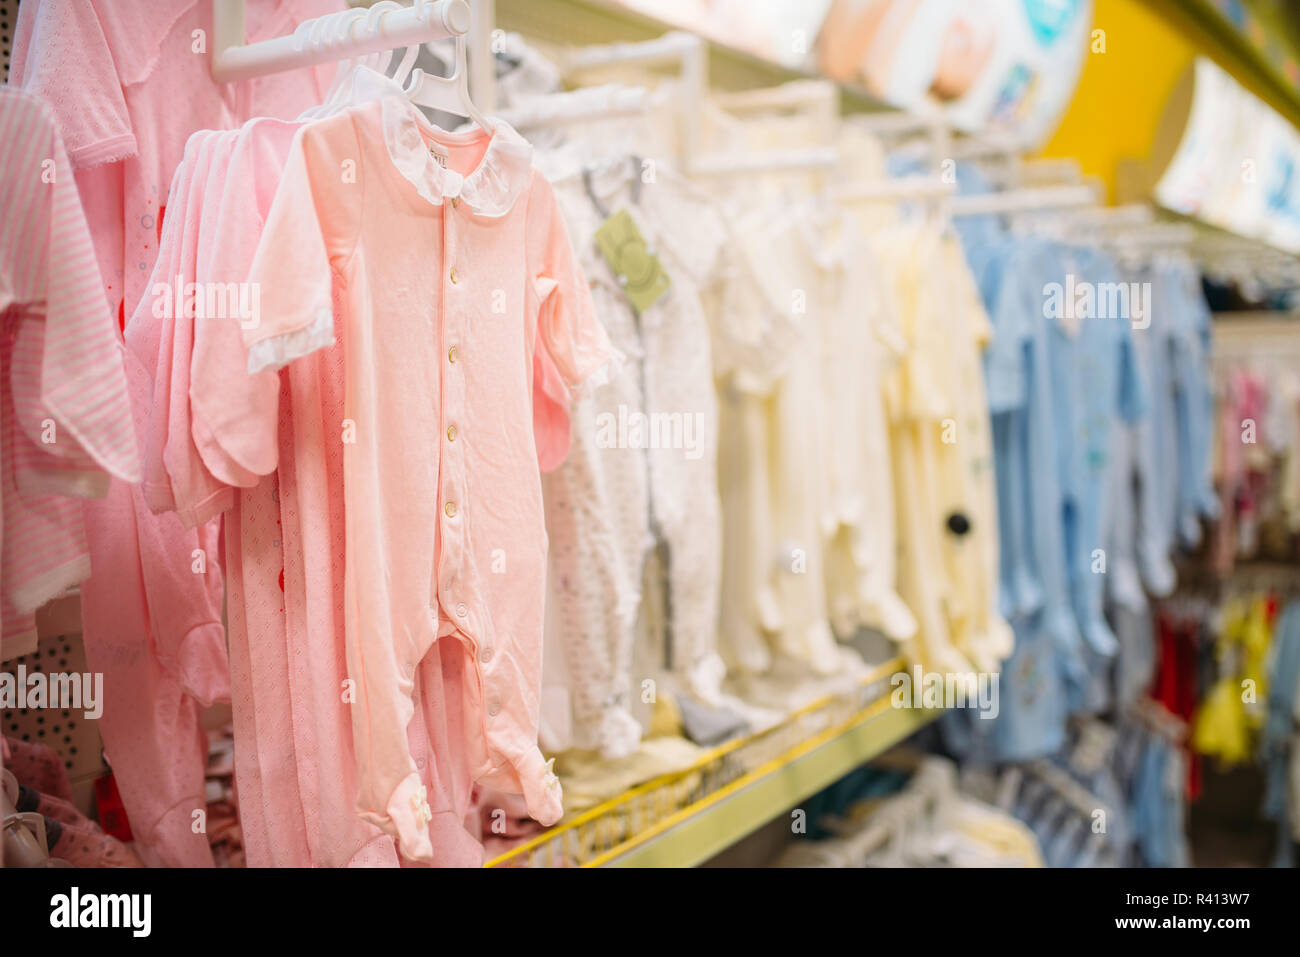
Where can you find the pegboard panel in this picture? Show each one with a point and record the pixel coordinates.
(68, 732)
(8, 16)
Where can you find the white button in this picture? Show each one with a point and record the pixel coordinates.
(420, 763)
(494, 709)
(461, 609)
(485, 654)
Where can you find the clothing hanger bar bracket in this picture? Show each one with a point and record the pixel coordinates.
(898, 123)
(727, 164)
(674, 47)
(795, 95)
(1110, 217)
(1022, 200)
(233, 59)
(622, 102)
(1156, 234)
(916, 186)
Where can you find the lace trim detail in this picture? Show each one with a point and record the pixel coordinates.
(603, 374)
(277, 352)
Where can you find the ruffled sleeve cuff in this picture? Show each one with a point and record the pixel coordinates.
(276, 352)
(603, 374)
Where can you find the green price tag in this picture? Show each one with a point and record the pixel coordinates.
(639, 271)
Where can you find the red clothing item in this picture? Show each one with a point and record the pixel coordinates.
(1174, 685)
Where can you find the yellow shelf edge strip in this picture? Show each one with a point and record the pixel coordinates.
(883, 670)
(868, 714)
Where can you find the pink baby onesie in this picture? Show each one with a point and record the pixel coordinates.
(280, 829)
(146, 605)
(178, 666)
(439, 279)
(295, 765)
(63, 407)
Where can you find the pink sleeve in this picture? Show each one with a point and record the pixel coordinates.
(313, 221)
(236, 415)
(181, 571)
(551, 427)
(567, 327)
(201, 493)
(55, 40)
(70, 358)
(572, 353)
(149, 332)
(31, 174)
(177, 478)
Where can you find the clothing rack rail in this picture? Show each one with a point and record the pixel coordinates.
(233, 59)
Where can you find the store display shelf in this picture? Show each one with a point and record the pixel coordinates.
(1254, 55)
(684, 818)
(582, 22)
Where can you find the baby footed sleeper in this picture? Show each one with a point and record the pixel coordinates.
(445, 540)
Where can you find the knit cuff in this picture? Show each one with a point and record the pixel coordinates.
(406, 818)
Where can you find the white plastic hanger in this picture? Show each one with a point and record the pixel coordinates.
(345, 29)
(684, 52)
(380, 62)
(335, 30)
(451, 93)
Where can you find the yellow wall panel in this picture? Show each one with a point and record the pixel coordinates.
(1122, 92)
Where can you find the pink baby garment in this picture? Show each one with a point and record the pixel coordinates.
(151, 611)
(440, 260)
(63, 404)
(295, 765)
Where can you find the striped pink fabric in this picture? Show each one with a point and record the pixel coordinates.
(64, 413)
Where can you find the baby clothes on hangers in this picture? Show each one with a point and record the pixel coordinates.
(124, 135)
(750, 340)
(1157, 438)
(64, 411)
(295, 764)
(1175, 685)
(968, 492)
(1280, 730)
(1194, 400)
(471, 554)
(863, 578)
(158, 754)
(1046, 666)
(143, 606)
(1241, 416)
(773, 462)
(1095, 372)
(1133, 552)
(860, 332)
(923, 409)
(768, 320)
(1224, 724)
(639, 485)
